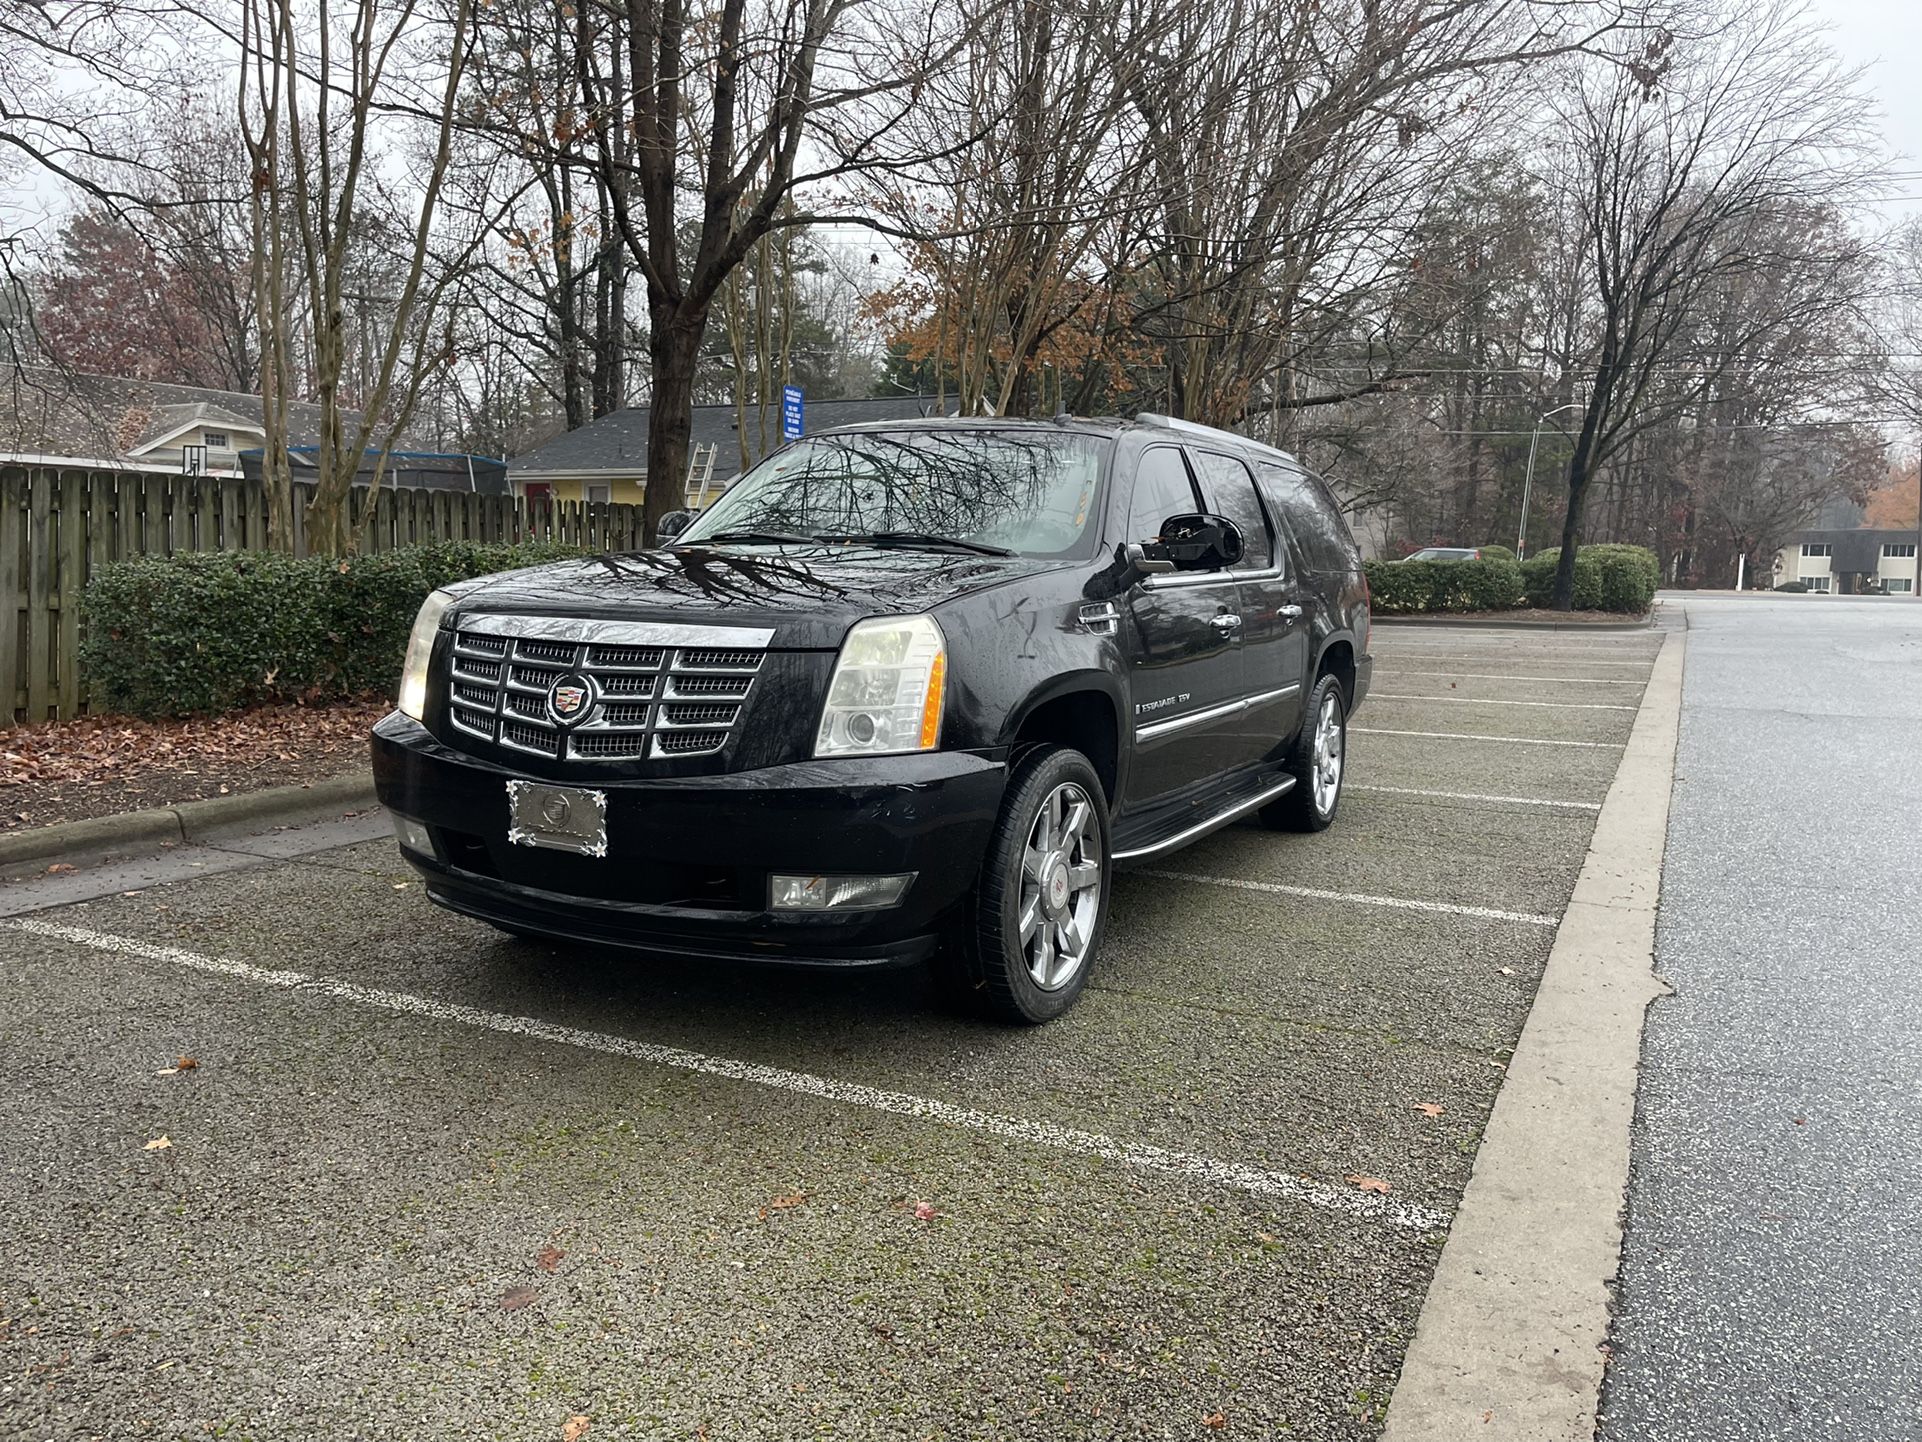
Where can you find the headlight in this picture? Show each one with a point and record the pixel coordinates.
(885, 697)
(420, 650)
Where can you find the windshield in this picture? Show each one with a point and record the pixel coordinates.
(1027, 491)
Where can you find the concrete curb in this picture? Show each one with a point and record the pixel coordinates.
(190, 821)
(1509, 1345)
(1642, 625)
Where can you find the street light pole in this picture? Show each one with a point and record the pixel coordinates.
(1528, 480)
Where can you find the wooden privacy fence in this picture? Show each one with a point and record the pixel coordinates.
(58, 523)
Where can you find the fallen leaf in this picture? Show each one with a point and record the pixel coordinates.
(924, 1211)
(1369, 1184)
(187, 1063)
(1429, 1109)
(514, 1298)
(158, 1144)
(1214, 1419)
(788, 1199)
(576, 1428)
(549, 1258)
(58, 867)
(1800, 1121)
(1489, 1415)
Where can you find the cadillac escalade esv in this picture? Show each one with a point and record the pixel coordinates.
(906, 691)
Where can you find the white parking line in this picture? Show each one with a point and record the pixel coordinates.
(1490, 701)
(1471, 736)
(1478, 796)
(1399, 903)
(1514, 676)
(1189, 1166)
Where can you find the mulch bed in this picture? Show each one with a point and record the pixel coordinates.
(101, 765)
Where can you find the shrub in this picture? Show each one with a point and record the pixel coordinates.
(1496, 553)
(208, 632)
(1406, 587)
(1607, 578)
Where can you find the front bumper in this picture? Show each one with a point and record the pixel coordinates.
(688, 860)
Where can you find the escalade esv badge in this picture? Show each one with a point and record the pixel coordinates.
(908, 691)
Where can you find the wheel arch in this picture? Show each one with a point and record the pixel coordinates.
(1082, 709)
(1336, 657)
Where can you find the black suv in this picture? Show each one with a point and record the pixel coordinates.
(905, 691)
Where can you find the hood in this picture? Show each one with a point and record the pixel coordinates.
(808, 595)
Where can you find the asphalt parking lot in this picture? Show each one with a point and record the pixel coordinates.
(428, 1181)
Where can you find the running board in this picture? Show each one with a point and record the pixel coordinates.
(1234, 812)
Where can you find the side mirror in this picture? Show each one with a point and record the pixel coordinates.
(1197, 542)
(674, 522)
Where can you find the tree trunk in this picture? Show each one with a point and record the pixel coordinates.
(673, 346)
(1579, 474)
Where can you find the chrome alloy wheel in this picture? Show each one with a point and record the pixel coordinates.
(1329, 737)
(1060, 887)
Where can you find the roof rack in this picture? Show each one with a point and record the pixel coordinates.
(1195, 428)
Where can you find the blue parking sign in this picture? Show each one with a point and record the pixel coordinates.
(792, 412)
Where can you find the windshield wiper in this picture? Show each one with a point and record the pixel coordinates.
(753, 538)
(916, 540)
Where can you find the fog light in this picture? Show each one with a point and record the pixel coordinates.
(837, 893)
(413, 836)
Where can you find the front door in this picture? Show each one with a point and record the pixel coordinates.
(1184, 650)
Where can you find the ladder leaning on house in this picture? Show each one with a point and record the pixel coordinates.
(700, 476)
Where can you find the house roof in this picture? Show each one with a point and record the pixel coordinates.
(45, 411)
(617, 444)
(1855, 549)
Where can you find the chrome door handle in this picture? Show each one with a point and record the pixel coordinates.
(1226, 621)
(1289, 613)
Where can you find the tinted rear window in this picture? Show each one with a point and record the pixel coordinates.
(1318, 527)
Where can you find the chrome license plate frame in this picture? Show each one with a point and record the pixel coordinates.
(557, 818)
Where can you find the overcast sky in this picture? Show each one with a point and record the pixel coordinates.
(1886, 36)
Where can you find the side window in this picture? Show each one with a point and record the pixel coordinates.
(1162, 489)
(1318, 527)
(1230, 491)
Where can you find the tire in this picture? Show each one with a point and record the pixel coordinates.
(1324, 727)
(1030, 977)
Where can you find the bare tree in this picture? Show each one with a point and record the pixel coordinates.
(316, 100)
(696, 123)
(1679, 156)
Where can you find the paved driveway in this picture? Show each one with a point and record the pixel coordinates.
(428, 1181)
(1772, 1271)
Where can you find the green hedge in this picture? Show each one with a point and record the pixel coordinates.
(1496, 553)
(1607, 578)
(209, 632)
(1400, 588)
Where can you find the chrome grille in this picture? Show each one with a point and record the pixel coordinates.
(688, 743)
(641, 658)
(712, 659)
(734, 686)
(645, 700)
